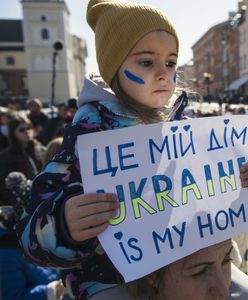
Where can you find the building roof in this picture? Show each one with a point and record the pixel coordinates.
(221, 26)
(11, 31)
(47, 2)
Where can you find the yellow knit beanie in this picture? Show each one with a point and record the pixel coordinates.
(118, 25)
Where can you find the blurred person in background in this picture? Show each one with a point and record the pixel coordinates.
(240, 110)
(55, 126)
(37, 117)
(24, 153)
(71, 109)
(51, 149)
(18, 278)
(5, 116)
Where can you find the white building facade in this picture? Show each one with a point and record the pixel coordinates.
(44, 23)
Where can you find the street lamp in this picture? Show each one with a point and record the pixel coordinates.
(207, 80)
(207, 75)
(57, 46)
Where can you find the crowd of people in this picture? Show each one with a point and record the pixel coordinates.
(43, 204)
(23, 154)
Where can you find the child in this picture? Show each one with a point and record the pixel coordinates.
(137, 50)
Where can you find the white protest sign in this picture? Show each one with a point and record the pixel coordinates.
(178, 186)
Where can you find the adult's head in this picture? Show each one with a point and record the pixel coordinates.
(203, 275)
(20, 130)
(62, 111)
(51, 149)
(5, 116)
(71, 107)
(240, 110)
(34, 105)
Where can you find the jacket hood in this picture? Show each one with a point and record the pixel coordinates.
(94, 91)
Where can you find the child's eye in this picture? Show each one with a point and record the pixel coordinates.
(227, 259)
(201, 272)
(170, 64)
(145, 63)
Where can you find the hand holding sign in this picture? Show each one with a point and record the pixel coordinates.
(87, 215)
(244, 175)
(178, 187)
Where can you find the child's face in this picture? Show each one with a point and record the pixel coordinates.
(148, 72)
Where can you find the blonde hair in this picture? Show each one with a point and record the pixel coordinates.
(35, 101)
(147, 286)
(52, 147)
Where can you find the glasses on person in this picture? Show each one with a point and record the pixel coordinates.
(23, 129)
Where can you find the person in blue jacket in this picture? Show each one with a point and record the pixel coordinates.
(18, 278)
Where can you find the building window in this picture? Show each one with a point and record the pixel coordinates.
(45, 34)
(43, 18)
(10, 60)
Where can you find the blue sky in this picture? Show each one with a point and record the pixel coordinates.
(192, 18)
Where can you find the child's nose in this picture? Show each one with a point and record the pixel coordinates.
(220, 286)
(163, 73)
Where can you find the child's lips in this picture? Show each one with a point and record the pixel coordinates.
(161, 91)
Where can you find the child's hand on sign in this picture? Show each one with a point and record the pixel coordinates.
(244, 175)
(87, 215)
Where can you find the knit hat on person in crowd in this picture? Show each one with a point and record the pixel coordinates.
(118, 26)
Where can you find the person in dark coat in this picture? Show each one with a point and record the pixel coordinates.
(55, 126)
(24, 154)
(5, 117)
(20, 279)
(37, 117)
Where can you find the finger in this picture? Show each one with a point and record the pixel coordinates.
(84, 199)
(92, 221)
(244, 168)
(243, 176)
(244, 183)
(90, 232)
(94, 208)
